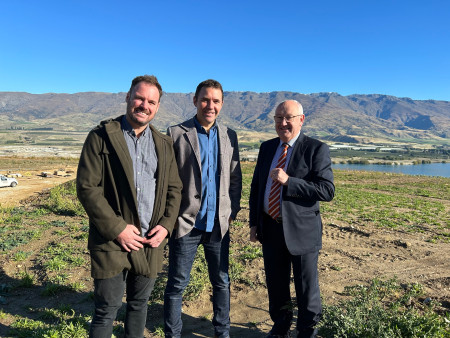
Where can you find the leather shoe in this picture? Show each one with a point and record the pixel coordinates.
(307, 333)
(273, 335)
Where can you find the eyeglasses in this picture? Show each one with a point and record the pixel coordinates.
(279, 119)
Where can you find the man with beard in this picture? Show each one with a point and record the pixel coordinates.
(207, 155)
(293, 173)
(128, 184)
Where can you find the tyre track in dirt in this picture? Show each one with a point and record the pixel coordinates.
(351, 256)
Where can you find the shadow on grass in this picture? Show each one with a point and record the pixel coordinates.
(31, 311)
(27, 307)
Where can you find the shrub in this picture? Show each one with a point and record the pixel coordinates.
(63, 200)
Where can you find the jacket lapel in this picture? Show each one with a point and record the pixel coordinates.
(297, 153)
(223, 143)
(160, 171)
(270, 153)
(191, 135)
(115, 135)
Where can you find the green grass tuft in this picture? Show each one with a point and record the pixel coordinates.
(383, 309)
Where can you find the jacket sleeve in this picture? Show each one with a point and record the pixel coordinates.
(255, 190)
(317, 185)
(90, 189)
(173, 196)
(235, 177)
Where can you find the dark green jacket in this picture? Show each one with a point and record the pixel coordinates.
(106, 189)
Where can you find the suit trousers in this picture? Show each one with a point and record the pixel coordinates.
(108, 295)
(277, 263)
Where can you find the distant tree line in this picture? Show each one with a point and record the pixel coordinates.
(23, 128)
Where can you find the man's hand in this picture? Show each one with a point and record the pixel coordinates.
(156, 236)
(279, 175)
(253, 237)
(130, 238)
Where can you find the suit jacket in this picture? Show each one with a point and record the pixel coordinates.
(187, 154)
(310, 181)
(106, 189)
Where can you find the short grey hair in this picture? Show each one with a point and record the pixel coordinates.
(300, 107)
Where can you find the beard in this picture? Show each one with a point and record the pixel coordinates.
(131, 115)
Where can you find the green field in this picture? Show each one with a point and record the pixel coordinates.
(46, 290)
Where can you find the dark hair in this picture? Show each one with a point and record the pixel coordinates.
(208, 84)
(150, 79)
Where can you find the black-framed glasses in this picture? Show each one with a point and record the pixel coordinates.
(279, 119)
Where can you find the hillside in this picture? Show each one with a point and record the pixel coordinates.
(330, 116)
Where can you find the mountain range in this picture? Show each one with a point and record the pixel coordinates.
(329, 116)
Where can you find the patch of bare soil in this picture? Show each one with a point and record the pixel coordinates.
(350, 256)
(31, 184)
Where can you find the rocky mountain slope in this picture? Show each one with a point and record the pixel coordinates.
(353, 118)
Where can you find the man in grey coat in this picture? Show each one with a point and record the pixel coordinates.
(207, 156)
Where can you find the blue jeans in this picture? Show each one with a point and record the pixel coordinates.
(108, 295)
(181, 257)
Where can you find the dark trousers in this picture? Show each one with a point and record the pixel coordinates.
(108, 295)
(277, 263)
(182, 252)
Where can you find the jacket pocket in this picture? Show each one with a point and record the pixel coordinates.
(309, 227)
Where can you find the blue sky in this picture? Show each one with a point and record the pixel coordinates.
(399, 48)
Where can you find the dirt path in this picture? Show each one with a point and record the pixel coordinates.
(31, 183)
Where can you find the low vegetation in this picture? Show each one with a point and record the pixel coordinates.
(24, 164)
(46, 242)
(384, 309)
(414, 204)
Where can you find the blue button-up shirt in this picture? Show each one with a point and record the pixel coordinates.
(143, 155)
(208, 143)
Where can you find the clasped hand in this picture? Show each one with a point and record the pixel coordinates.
(130, 238)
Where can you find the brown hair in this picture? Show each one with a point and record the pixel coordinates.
(150, 79)
(208, 84)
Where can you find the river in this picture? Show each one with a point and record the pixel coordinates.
(431, 169)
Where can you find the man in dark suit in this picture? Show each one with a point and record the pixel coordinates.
(293, 173)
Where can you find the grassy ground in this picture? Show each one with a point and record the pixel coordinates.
(46, 290)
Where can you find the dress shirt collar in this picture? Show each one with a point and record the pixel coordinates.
(200, 128)
(292, 141)
(126, 126)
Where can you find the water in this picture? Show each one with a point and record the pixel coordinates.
(431, 169)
